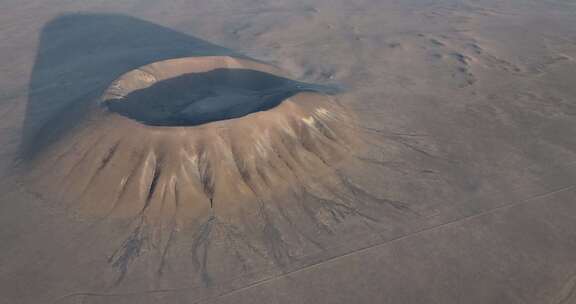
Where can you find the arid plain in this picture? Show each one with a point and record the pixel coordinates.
(371, 151)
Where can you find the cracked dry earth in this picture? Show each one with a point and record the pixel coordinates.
(288, 151)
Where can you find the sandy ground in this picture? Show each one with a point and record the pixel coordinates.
(465, 193)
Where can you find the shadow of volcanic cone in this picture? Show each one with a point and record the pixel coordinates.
(208, 160)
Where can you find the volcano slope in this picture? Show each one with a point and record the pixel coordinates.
(201, 144)
(141, 164)
(208, 131)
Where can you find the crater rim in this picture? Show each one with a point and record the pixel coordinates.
(211, 88)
